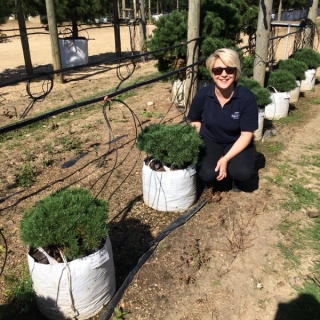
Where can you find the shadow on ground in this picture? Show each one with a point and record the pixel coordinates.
(305, 307)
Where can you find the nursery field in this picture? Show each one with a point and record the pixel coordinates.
(241, 256)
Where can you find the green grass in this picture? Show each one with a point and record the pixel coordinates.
(269, 147)
(19, 293)
(310, 160)
(25, 177)
(317, 101)
(71, 143)
(288, 254)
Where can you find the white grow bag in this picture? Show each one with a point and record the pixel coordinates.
(77, 289)
(73, 52)
(170, 190)
(295, 93)
(178, 92)
(257, 134)
(308, 83)
(279, 108)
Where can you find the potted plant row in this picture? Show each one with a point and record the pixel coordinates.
(312, 59)
(298, 69)
(263, 97)
(280, 82)
(169, 172)
(70, 255)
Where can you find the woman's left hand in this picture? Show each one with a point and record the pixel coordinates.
(222, 168)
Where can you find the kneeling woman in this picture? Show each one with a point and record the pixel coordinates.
(226, 115)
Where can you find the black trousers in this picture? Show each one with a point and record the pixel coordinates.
(240, 168)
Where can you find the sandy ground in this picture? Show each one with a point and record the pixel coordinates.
(101, 41)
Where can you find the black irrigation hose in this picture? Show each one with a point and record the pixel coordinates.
(49, 114)
(145, 256)
(114, 140)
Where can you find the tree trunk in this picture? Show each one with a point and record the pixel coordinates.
(313, 11)
(262, 40)
(24, 38)
(192, 50)
(279, 10)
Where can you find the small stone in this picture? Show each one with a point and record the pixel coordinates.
(313, 214)
(150, 103)
(9, 222)
(259, 285)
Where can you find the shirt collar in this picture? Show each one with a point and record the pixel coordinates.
(236, 94)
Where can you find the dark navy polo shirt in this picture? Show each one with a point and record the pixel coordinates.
(224, 125)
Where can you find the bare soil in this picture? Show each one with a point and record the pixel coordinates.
(221, 264)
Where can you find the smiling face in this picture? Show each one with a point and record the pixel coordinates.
(226, 78)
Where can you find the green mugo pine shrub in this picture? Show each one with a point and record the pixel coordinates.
(309, 56)
(247, 64)
(176, 145)
(296, 67)
(71, 220)
(220, 26)
(171, 30)
(281, 80)
(262, 94)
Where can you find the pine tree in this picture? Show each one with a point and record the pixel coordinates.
(220, 26)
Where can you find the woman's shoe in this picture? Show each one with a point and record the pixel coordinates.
(237, 186)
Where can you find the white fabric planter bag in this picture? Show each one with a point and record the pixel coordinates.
(77, 289)
(308, 83)
(178, 92)
(259, 132)
(170, 190)
(73, 52)
(279, 108)
(295, 93)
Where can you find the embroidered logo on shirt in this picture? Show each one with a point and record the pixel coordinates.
(236, 115)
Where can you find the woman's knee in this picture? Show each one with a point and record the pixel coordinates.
(207, 174)
(243, 174)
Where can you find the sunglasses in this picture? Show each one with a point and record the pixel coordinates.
(218, 71)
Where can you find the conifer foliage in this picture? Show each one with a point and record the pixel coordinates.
(71, 220)
(221, 23)
(175, 145)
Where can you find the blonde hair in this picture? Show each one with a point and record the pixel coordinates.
(229, 57)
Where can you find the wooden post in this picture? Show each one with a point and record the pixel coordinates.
(135, 9)
(116, 28)
(55, 50)
(123, 7)
(149, 11)
(192, 50)
(24, 37)
(142, 27)
(262, 40)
